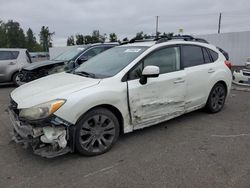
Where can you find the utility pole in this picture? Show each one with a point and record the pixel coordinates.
(219, 23)
(156, 30)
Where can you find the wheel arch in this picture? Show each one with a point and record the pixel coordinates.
(219, 81)
(224, 84)
(13, 74)
(112, 109)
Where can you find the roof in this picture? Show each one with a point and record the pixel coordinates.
(148, 44)
(177, 39)
(152, 43)
(107, 43)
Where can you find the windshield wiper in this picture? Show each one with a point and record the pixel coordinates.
(83, 73)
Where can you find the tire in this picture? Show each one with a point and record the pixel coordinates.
(216, 99)
(16, 80)
(96, 132)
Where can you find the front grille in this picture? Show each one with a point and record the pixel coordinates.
(27, 76)
(246, 73)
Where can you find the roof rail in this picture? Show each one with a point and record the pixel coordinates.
(165, 38)
(181, 37)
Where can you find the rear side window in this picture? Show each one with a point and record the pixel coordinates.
(8, 55)
(192, 55)
(214, 55)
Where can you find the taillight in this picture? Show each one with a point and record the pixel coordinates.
(228, 64)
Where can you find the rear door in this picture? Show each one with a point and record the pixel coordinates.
(160, 98)
(8, 64)
(199, 68)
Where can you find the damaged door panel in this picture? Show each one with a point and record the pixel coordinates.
(158, 100)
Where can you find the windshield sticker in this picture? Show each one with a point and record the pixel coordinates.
(133, 50)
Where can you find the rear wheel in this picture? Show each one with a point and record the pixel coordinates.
(96, 132)
(216, 98)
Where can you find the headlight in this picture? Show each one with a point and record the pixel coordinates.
(41, 111)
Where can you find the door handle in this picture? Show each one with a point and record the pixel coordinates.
(179, 80)
(211, 70)
(11, 63)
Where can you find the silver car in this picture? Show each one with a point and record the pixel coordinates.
(11, 61)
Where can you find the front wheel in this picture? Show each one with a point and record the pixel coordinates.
(216, 98)
(16, 79)
(96, 132)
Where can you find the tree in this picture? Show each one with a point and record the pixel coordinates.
(46, 38)
(88, 39)
(97, 37)
(30, 40)
(80, 39)
(71, 41)
(139, 36)
(3, 35)
(125, 39)
(15, 37)
(168, 34)
(112, 37)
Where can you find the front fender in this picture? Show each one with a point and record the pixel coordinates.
(82, 101)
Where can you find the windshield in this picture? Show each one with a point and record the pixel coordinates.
(110, 62)
(70, 54)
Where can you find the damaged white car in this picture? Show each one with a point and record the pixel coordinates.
(126, 88)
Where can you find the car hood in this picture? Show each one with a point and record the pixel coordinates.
(39, 64)
(57, 86)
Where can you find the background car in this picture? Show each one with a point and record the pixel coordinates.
(11, 61)
(242, 76)
(66, 61)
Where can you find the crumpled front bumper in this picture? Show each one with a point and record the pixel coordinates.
(47, 140)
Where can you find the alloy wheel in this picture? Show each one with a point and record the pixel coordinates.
(218, 98)
(97, 133)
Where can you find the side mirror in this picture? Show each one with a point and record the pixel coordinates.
(71, 65)
(82, 59)
(149, 72)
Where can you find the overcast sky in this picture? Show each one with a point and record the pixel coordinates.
(126, 17)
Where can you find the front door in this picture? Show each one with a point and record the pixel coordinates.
(160, 98)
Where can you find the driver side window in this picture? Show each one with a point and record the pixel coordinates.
(93, 52)
(167, 59)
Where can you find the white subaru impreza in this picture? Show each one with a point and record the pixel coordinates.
(128, 87)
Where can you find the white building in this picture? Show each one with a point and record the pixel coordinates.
(237, 44)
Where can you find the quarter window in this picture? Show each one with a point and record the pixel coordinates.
(214, 55)
(206, 56)
(192, 56)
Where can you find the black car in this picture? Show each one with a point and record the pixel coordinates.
(66, 61)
